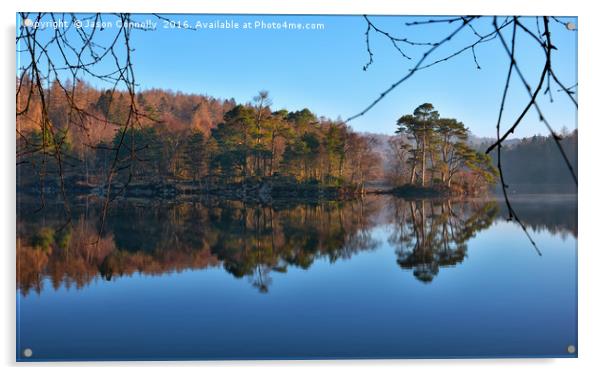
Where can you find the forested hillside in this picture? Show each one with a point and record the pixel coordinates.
(178, 138)
(535, 164)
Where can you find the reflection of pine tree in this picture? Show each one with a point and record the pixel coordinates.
(433, 234)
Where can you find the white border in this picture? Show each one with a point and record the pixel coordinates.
(590, 137)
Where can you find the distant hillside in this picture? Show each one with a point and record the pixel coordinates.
(535, 164)
(481, 143)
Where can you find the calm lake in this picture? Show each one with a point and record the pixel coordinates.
(381, 278)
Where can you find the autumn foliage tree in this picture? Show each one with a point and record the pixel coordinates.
(192, 138)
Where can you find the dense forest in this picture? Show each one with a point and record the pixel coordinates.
(187, 143)
(534, 165)
(183, 138)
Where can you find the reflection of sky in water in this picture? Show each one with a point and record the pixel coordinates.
(502, 300)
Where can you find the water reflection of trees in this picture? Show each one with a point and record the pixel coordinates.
(430, 234)
(247, 240)
(554, 214)
(73, 256)
(253, 241)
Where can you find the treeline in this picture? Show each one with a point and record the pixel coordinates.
(161, 138)
(535, 164)
(432, 152)
(254, 142)
(83, 135)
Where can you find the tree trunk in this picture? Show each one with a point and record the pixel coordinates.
(273, 149)
(424, 159)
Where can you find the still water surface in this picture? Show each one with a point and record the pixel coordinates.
(382, 278)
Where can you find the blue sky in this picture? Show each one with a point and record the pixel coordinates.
(322, 69)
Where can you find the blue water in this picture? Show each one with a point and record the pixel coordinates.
(501, 300)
